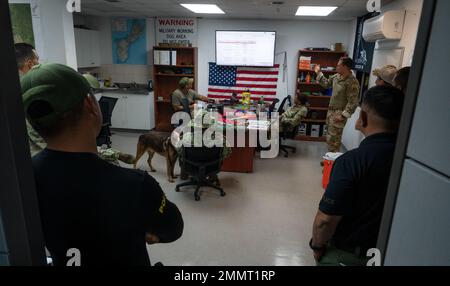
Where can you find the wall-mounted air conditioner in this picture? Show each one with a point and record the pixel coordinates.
(388, 26)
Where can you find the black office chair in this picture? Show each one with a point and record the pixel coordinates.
(202, 164)
(107, 105)
(272, 106)
(288, 135)
(287, 99)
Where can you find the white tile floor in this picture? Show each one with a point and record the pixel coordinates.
(265, 218)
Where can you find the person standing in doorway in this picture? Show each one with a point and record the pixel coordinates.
(343, 102)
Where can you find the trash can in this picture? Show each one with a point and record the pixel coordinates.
(328, 161)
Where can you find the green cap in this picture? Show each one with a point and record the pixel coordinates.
(185, 81)
(51, 90)
(93, 82)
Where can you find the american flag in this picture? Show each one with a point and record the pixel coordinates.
(224, 80)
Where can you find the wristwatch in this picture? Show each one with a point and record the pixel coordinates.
(315, 248)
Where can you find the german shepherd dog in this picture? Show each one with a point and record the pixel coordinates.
(157, 142)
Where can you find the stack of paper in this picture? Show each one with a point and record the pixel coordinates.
(258, 124)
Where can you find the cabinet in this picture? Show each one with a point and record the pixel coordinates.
(319, 99)
(166, 78)
(87, 48)
(132, 111)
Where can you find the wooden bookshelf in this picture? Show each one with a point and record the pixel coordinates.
(166, 79)
(318, 101)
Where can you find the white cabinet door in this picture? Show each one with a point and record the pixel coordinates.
(138, 112)
(94, 60)
(119, 114)
(87, 47)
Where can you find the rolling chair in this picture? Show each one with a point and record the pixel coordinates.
(202, 164)
(107, 105)
(288, 135)
(287, 99)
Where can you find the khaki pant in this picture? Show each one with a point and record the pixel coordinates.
(334, 130)
(337, 257)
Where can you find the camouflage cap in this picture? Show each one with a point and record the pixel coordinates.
(51, 90)
(386, 73)
(93, 82)
(185, 81)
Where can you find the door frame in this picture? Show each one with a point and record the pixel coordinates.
(18, 200)
(420, 51)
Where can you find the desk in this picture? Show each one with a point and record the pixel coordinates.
(241, 158)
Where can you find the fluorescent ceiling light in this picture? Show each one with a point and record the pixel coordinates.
(203, 8)
(315, 10)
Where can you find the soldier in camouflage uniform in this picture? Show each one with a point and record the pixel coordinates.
(343, 102)
(294, 115)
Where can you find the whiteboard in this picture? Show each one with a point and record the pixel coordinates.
(383, 57)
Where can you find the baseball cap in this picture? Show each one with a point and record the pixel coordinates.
(386, 73)
(51, 90)
(185, 81)
(93, 82)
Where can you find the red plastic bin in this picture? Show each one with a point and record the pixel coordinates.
(327, 166)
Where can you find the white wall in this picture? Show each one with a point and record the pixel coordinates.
(53, 31)
(351, 138)
(291, 37)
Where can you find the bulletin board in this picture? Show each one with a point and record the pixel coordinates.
(383, 57)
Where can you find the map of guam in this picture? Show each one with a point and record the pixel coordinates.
(129, 41)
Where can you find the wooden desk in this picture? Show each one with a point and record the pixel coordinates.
(241, 158)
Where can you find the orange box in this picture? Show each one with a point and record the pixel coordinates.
(327, 167)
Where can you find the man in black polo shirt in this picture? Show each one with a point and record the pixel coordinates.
(106, 212)
(349, 216)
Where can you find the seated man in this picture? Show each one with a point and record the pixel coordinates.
(295, 114)
(189, 139)
(185, 92)
(106, 212)
(349, 216)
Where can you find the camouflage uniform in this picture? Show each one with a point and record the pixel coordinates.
(292, 117)
(343, 102)
(37, 144)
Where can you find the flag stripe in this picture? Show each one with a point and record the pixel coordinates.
(258, 79)
(235, 88)
(242, 90)
(250, 85)
(227, 96)
(259, 72)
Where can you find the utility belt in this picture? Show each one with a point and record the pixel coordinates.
(331, 108)
(356, 250)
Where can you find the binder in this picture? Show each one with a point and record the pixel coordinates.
(156, 57)
(164, 58)
(173, 58)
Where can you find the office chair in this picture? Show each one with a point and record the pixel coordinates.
(283, 103)
(288, 135)
(272, 106)
(202, 164)
(107, 105)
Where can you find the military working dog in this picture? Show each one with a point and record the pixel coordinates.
(157, 142)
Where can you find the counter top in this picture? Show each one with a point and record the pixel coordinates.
(138, 91)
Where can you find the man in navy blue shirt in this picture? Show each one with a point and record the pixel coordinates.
(349, 216)
(106, 212)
